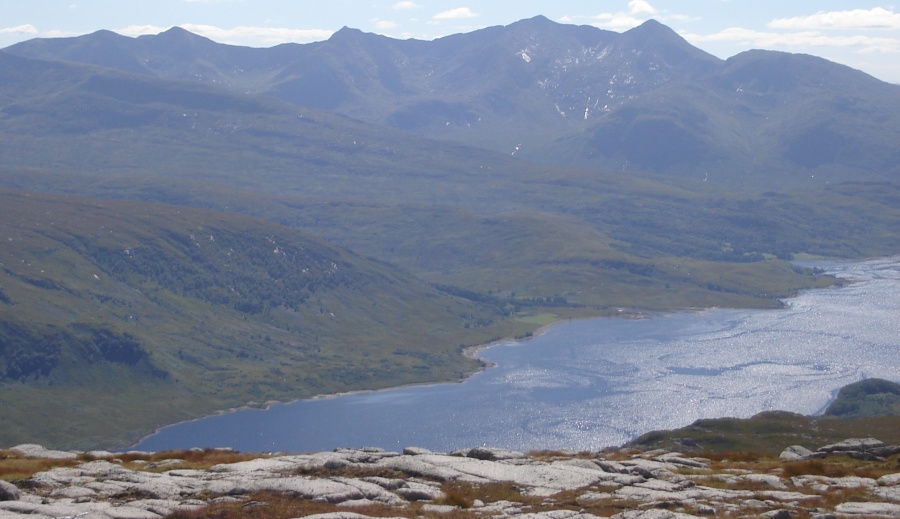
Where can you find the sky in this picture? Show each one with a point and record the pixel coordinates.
(863, 35)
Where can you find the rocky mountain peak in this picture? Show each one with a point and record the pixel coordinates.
(551, 92)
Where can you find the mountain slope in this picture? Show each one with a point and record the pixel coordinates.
(445, 212)
(192, 311)
(812, 121)
(494, 87)
(119, 317)
(643, 100)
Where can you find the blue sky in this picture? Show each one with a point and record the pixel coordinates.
(859, 34)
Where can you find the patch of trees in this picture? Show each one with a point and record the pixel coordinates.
(471, 295)
(30, 354)
(242, 271)
(27, 354)
(501, 306)
(640, 269)
(555, 300)
(99, 344)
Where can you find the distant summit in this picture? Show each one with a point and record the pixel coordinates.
(641, 100)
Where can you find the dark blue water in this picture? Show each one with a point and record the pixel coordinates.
(589, 384)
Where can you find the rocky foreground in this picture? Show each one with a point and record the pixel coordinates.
(856, 478)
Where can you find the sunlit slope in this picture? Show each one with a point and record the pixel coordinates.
(640, 101)
(453, 215)
(117, 317)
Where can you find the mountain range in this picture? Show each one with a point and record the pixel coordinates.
(643, 100)
(190, 226)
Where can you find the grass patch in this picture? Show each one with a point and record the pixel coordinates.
(349, 471)
(541, 319)
(769, 433)
(841, 466)
(193, 459)
(14, 467)
(466, 492)
(455, 496)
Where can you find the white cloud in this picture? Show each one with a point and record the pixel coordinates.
(242, 35)
(140, 30)
(640, 7)
(405, 5)
(456, 14)
(617, 21)
(752, 38)
(875, 18)
(20, 29)
(638, 12)
(265, 34)
(385, 24)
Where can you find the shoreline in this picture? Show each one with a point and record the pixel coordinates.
(469, 352)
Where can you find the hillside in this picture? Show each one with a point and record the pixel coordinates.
(452, 215)
(866, 398)
(863, 409)
(641, 101)
(193, 311)
(119, 317)
(812, 121)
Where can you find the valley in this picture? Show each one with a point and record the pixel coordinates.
(231, 225)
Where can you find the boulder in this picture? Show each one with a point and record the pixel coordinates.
(853, 444)
(682, 461)
(769, 480)
(888, 493)
(886, 451)
(868, 509)
(863, 455)
(416, 451)
(414, 491)
(33, 450)
(795, 452)
(490, 454)
(9, 492)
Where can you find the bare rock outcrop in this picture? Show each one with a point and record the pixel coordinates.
(626, 484)
(865, 449)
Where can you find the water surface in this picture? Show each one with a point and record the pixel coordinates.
(590, 384)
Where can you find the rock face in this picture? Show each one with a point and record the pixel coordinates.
(629, 484)
(866, 449)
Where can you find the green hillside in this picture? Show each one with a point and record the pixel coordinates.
(868, 408)
(119, 317)
(451, 215)
(120, 314)
(866, 398)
